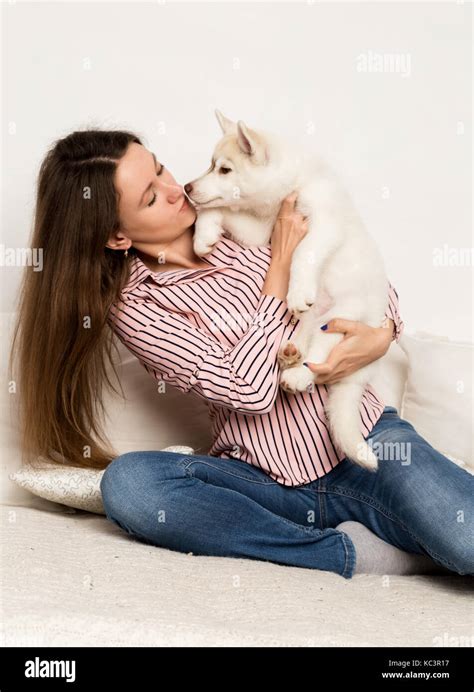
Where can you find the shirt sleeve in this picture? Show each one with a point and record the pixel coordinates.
(244, 377)
(393, 313)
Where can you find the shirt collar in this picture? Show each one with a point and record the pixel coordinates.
(221, 257)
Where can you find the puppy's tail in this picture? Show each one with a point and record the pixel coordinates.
(342, 410)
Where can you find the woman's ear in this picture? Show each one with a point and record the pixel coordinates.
(118, 241)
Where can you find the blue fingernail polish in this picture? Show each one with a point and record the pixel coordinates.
(324, 327)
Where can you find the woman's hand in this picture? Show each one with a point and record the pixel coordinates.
(360, 346)
(290, 228)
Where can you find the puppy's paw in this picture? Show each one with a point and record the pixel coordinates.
(288, 355)
(296, 379)
(299, 300)
(202, 246)
(207, 233)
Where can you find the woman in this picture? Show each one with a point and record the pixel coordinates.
(117, 231)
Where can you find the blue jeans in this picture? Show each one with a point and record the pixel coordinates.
(417, 500)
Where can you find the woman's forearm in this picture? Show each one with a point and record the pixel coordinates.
(277, 279)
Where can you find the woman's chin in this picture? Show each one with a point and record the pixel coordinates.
(188, 216)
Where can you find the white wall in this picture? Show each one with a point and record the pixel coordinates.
(402, 140)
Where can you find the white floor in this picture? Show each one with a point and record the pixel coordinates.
(74, 579)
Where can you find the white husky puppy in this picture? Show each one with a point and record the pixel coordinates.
(336, 269)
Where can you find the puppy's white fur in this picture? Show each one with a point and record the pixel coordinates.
(336, 270)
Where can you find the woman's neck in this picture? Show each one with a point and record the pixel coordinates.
(179, 254)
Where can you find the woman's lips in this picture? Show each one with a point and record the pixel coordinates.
(184, 205)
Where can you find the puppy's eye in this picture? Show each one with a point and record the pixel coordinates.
(224, 170)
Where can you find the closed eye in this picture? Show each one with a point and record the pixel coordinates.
(150, 204)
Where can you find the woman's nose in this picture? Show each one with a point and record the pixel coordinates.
(174, 193)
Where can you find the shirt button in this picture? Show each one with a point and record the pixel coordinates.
(293, 320)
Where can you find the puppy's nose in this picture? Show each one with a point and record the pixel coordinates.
(188, 188)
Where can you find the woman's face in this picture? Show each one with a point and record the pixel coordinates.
(151, 202)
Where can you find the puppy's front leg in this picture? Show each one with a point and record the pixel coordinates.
(208, 230)
(308, 260)
(303, 283)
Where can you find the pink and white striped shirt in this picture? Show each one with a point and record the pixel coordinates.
(212, 331)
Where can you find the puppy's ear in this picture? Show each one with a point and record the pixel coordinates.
(224, 122)
(250, 143)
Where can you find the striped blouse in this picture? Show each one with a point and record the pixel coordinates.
(212, 332)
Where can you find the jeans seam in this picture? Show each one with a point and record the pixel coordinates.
(392, 517)
(350, 555)
(322, 504)
(229, 473)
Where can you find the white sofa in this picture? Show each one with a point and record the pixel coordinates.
(72, 578)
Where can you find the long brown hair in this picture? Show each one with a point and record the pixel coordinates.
(62, 345)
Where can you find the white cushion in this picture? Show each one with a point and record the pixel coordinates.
(438, 394)
(71, 486)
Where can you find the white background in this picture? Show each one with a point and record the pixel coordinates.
(402, 142)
